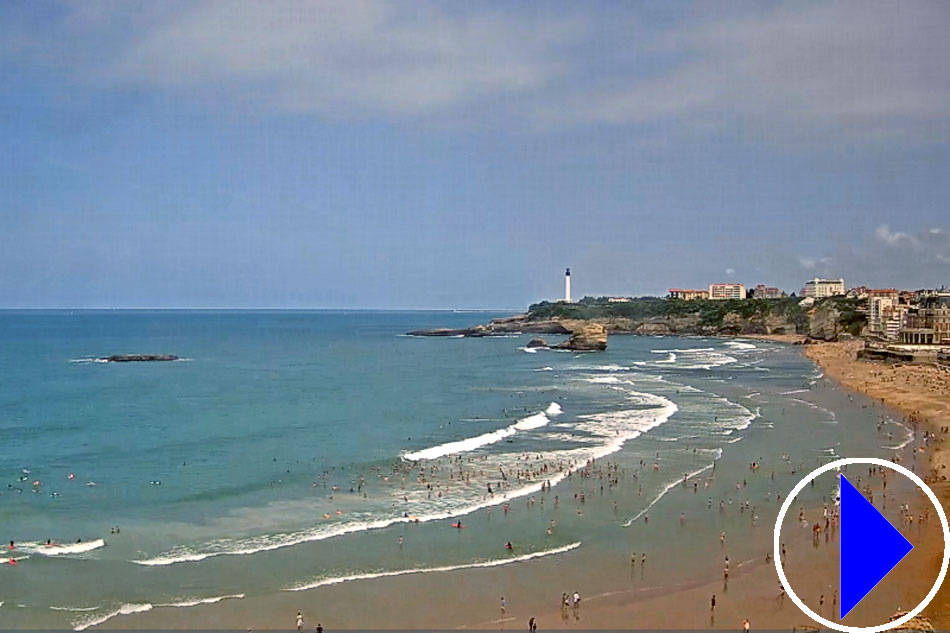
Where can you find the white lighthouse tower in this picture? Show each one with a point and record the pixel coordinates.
(567, 285)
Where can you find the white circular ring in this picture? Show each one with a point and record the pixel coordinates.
(838, 464)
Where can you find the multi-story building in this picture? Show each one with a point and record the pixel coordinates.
(821, 288)
(618, 299)
(928, 323)
(726, 291)
(761, 291)
(894, 320)
(689, 295)
(881, 305)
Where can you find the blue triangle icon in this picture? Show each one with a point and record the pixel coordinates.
(870, 547)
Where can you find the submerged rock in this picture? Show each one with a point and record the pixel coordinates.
(139, 358)
(537, 342)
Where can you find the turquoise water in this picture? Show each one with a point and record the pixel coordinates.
(290, 450)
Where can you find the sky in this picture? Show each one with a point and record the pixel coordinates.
(414, 155)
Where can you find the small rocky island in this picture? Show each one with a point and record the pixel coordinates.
(138, 358)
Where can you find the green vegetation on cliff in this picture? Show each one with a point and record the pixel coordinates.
(848, 314)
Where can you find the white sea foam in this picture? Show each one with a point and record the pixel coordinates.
(908, 436)
(546, 368)
(832, 417)
(270, 542)
(669, 486)
(529, 350)
(194, 602)
(59, 549)
(335, 580)
(553, 409)
(126, 609)
(739, 345)
(693, 358)
(133, 608)
(609, 431)
(794, 391)
(535, 421)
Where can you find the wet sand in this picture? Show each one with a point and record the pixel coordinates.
(922, 394)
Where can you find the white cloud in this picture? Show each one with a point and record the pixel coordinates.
(895, 238)
(871, 69)
(730, 271)
(810, 263)
(337, 58)
(919, 259)
(867, 69)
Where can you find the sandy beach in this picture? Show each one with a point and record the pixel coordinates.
(919, 392)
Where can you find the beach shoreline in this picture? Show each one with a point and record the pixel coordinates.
(532, 587)
(922, 394)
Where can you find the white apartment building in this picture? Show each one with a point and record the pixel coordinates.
(726, 291)
(895, 322)
(821, 288)
(877, 306)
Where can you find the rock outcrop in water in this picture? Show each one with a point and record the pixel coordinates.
(139, 358)
(586, 336)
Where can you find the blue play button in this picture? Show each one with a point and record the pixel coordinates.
(870, 547)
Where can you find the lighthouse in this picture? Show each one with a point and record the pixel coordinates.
(567, 285)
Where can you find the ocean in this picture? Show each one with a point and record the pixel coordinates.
(287, 451)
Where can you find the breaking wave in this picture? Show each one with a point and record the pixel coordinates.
(497, 562)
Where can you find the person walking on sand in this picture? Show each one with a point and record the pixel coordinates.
(712, 603)
(319, 628)
(745, 626)
(504, 605)
(299, 622)
(532, 626)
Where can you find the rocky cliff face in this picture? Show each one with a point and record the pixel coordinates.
(823, 323)
(588, 334)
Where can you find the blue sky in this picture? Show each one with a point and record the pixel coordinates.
(461, 155)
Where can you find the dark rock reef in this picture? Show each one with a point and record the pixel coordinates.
(139, 358)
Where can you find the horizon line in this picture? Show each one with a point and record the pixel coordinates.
(247, 309)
